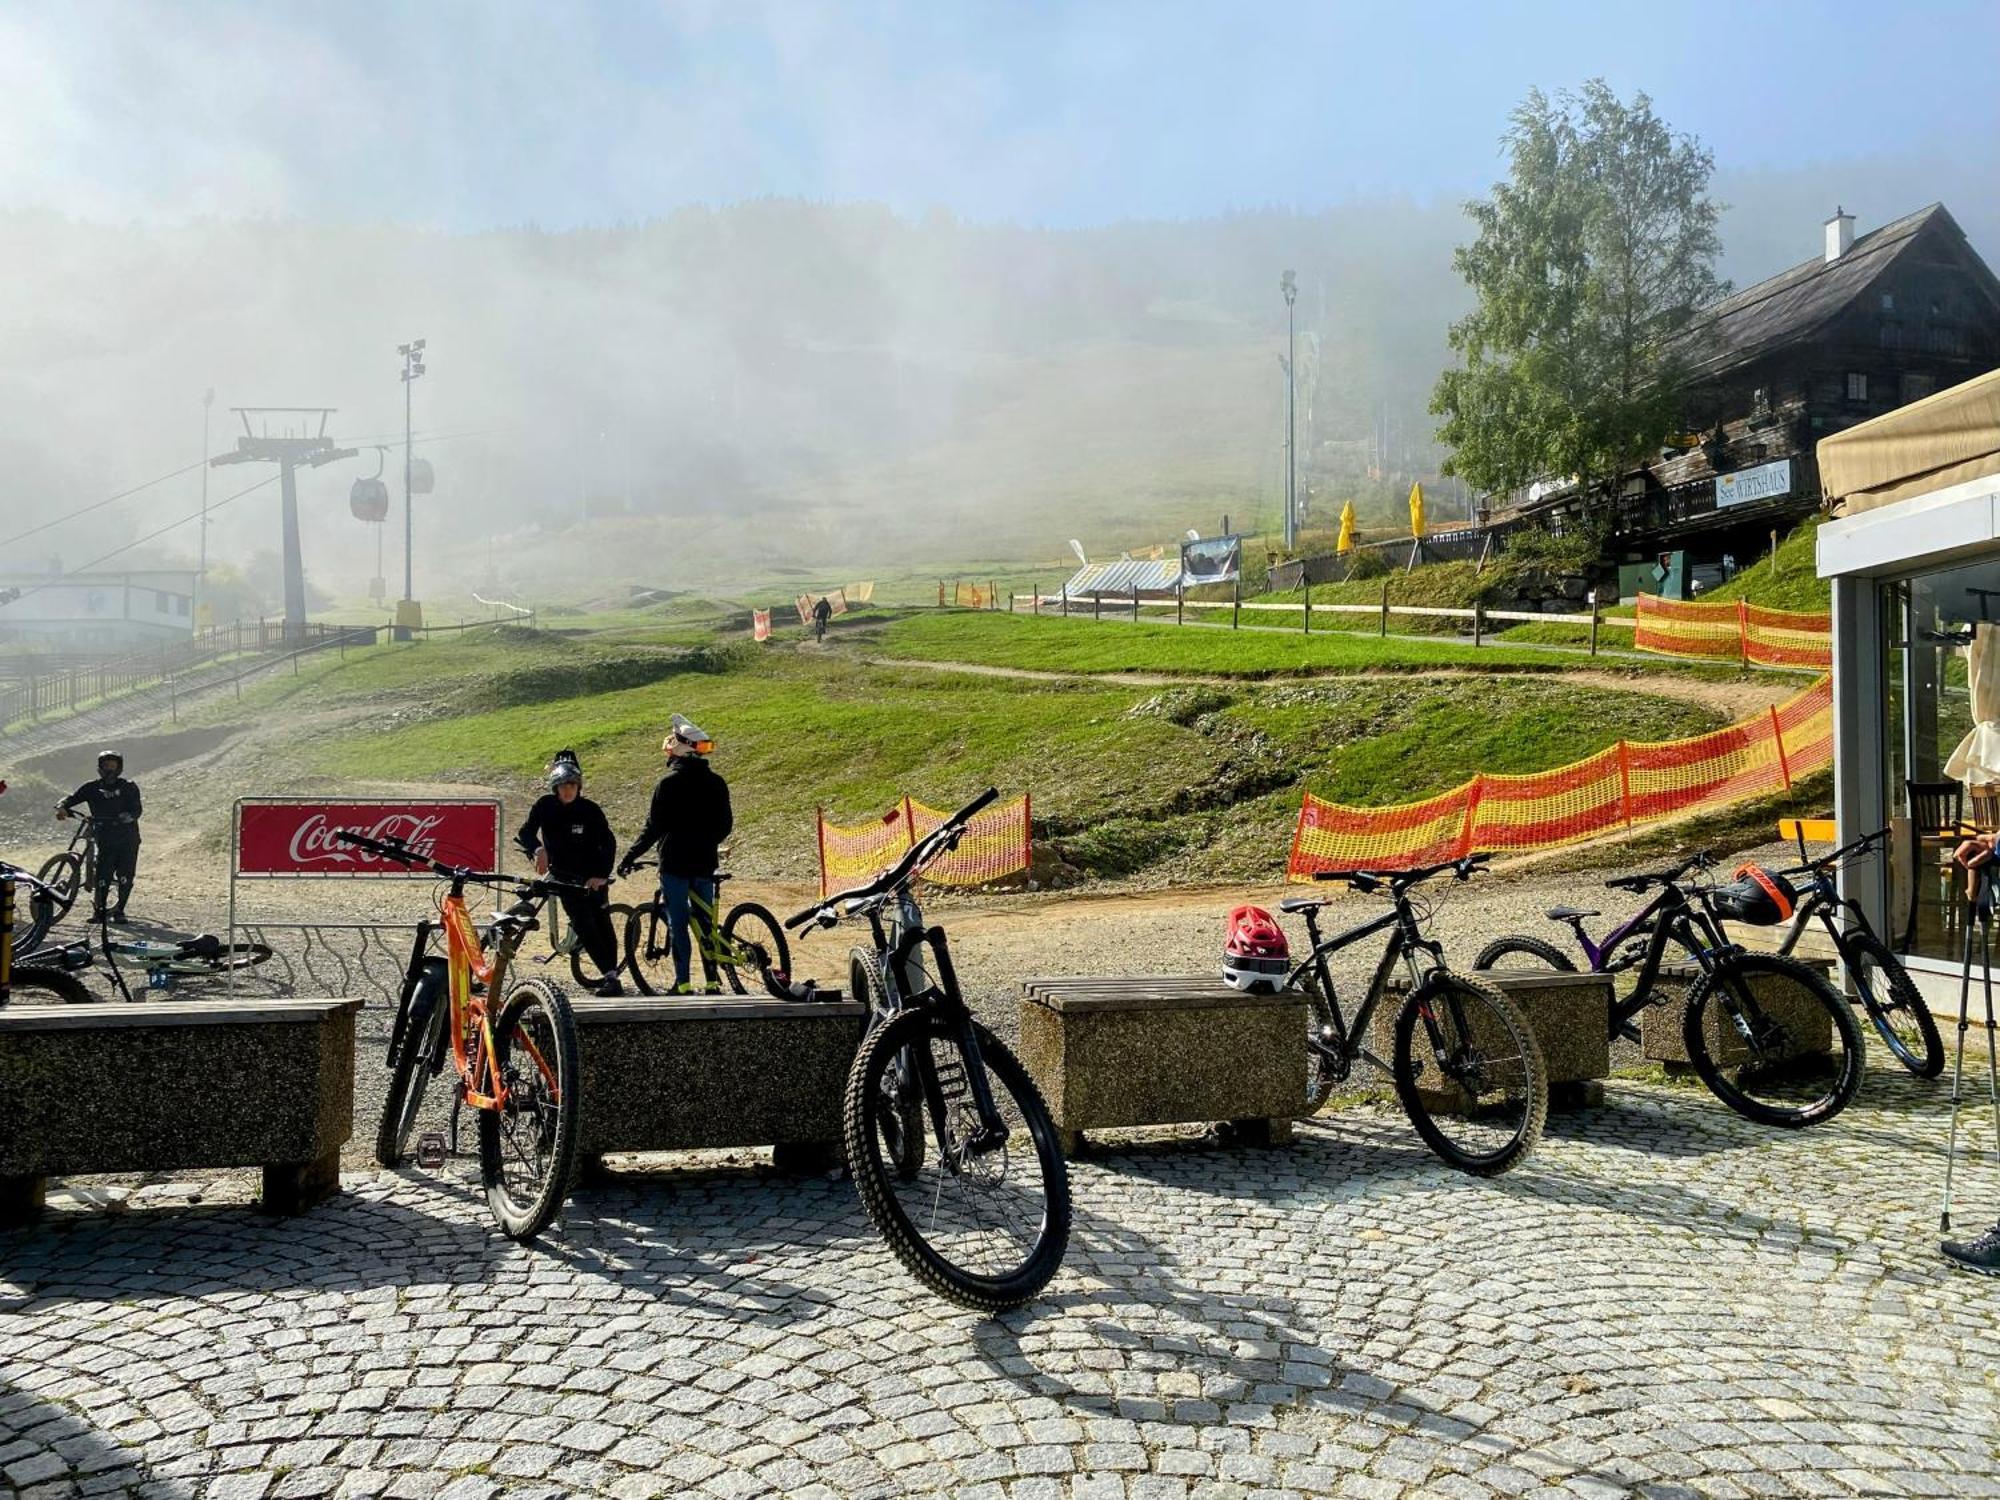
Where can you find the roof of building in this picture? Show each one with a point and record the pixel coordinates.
(1148, 575)
(1794, 303)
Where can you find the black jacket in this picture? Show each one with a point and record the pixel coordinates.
(113, 804)
(689, 817)
(577, 835)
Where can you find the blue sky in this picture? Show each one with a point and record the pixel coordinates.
(466, 116)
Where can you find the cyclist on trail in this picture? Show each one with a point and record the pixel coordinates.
(689, 819)
(822, 612)
(569, 838)
(114, 808)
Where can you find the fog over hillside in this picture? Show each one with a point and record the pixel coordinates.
(805, 383)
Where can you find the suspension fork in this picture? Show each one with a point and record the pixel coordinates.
(946, 997)
(412, 974)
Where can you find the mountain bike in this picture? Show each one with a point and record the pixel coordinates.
(1466, 1065)
(1769, 1061)
(200, 957)
(746, 945)
(73, 870)
(1880, 981)
(30, 978)
(517, 1061)
(953, 1152)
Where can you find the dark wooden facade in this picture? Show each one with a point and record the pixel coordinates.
(1905, 310)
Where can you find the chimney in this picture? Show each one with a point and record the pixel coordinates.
(1839, 235)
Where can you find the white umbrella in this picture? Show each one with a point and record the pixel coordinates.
(1976, 761)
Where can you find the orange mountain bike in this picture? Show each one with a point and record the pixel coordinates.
(517, 1063)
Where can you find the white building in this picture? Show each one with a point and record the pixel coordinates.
(1914, 558)
(106, 612)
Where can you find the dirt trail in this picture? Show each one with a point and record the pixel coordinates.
(1735, 699)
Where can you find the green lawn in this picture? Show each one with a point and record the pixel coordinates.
(1083, 645)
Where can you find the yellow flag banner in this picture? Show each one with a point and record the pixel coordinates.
(1620, 787)
(1346, 542)
(1416, 510)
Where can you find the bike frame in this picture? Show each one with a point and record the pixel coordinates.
(1406, 941)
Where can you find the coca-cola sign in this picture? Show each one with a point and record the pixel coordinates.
(297, 838)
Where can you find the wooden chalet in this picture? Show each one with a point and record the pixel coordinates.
(1873, 323)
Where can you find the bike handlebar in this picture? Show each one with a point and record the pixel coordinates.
(938, 841)
(19, 876)
(1400, 880)
(403, 854)
(1638, 884)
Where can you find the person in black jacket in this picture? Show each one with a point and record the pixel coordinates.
(114, 807)
(569, 838)
(689, 819)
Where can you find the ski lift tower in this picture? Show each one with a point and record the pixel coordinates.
(300, 442)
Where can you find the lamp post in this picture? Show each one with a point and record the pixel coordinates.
(201, 575)
(1289, 285)
(413, 369)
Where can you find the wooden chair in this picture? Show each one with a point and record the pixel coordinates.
(1937, 813)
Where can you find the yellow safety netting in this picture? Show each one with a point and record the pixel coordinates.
(995, 845)
(1734, 631)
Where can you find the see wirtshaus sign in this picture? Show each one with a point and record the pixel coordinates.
(1765, 482)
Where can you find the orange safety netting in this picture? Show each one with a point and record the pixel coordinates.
(1623, 785)
(861, 593)
(971, 595)
(804, 605)
(995, 845)
(760, 624)
(1734, 631)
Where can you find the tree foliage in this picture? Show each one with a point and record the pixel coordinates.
(1593, 254)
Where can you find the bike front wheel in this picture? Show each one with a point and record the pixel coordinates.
(419, 1052)
(1773, 1041)
(63, 872)
(752, 945)
(1890, 996)
(33, 982)
(1470, 1074)
(900, 1117)
(528, 1144)
(985, 1221)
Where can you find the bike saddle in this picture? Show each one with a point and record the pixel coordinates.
(1568, 914)
(206, 945)
(1297, 904)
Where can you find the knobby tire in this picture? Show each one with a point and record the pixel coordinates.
(418, 1045)
(1893, 997)
(1708, 990)
(1520, 945)
(1513, 1027)
(555, 1126)
(63, 985)
(902, 1119)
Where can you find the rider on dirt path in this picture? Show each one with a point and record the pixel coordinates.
(115, 808)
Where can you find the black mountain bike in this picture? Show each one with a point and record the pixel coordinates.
(1880, 981)
(34, 979)
(1467, 1068)
(74, 869)
(1769, 1037)
(952, 1149)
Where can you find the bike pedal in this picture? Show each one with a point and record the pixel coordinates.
(430, 1151)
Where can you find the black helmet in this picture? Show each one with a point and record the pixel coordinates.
(565, 771)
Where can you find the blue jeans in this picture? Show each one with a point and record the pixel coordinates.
(674, 891)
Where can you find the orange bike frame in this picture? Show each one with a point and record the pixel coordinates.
(471, 1014)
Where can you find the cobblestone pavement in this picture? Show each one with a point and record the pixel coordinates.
(1664, 1300)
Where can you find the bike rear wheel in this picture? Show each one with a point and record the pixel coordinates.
(1519, 951)
(1470, 1074)
(527, 1146)
(752, 943)
(231, 956)
(1322, 1072)
(63, 871)
(34, 981)
(419, 1051)
(1773, 1041)
(985, 1227)
(1890, 996)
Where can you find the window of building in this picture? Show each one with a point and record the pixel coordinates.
(1857, 386)
(180, 604)
(1888, 302)
(162, 601)
(1947, 338)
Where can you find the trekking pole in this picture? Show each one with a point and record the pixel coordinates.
(1978, 909)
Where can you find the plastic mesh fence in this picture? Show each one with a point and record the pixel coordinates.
(1622, 785)
(1734, 631)
(995, 845)
(971, 595)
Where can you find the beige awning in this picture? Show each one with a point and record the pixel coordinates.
(1928, 445)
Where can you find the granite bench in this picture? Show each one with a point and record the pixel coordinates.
(176, 1086)
(679, 1074)
(1164, 1050)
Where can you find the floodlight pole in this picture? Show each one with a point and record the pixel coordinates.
(1288, 284)
(413, 369)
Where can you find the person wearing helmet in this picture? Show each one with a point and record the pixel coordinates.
(689, 818)
(569, 838)
(114, 807)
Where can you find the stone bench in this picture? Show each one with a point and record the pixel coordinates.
(176, 1086)
(678, 1074)
(1660, 1026)
(1570, 1015)
(1164, 1050)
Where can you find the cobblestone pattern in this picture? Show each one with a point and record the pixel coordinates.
(1665, 1300)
